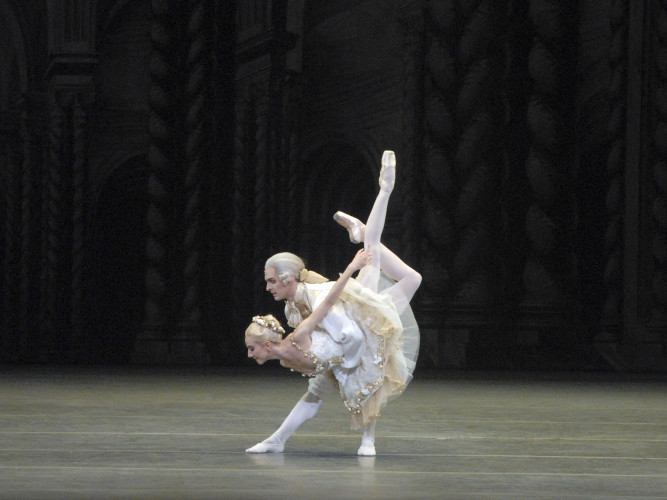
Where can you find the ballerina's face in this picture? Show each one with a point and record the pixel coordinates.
(274, 286)
(258, 352)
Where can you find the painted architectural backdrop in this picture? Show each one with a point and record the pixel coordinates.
(153, 154)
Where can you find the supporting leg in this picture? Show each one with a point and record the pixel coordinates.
(304, 410)
(367, 448)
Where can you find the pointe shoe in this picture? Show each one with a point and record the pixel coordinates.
(354, 226)
(388, 172)
(266, 448)
(366, 449)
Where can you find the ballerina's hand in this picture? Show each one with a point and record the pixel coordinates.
(362, 258)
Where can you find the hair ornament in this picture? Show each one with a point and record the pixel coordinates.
(272, 324)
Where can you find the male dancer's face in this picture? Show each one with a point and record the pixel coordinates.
(275, 287)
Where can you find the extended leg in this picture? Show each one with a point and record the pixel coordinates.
(408, 280)
(369, 276)
(375, 222)
(305, 409)
(371, 232)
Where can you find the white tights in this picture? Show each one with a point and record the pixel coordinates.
(367, 448)
(407, 279)
(304, 410)
(275, 443)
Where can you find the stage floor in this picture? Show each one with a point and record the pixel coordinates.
(179, 433)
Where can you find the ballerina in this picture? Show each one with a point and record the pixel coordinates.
(363, 341)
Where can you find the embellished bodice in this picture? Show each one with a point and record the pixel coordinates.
(324, 352)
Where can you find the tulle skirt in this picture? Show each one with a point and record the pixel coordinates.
(391, 346)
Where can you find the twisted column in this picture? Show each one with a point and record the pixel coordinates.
(28, 253)
(78, 222)
(282, 133)
(613, 240)
(261, 193)
(439, 141)
(195, 126)
(241, 209)
(658, 193)
(549, 263)
(293, 167)
(54, 230)
(438, 182)
(478, 159)
(160, 164)
(462, 136)
(55, 121)
(410, 170)
(10, 259)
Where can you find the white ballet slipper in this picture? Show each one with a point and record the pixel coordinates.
(354, 226)
(266, 448)
(388, 172)
(366, 450)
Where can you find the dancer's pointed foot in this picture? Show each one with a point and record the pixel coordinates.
(388, 171)
(264, 447)
(367, 449)
(354, 226)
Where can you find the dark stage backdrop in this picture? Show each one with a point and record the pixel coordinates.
(154, 153)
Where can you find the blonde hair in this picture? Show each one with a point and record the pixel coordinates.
(265, 329)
